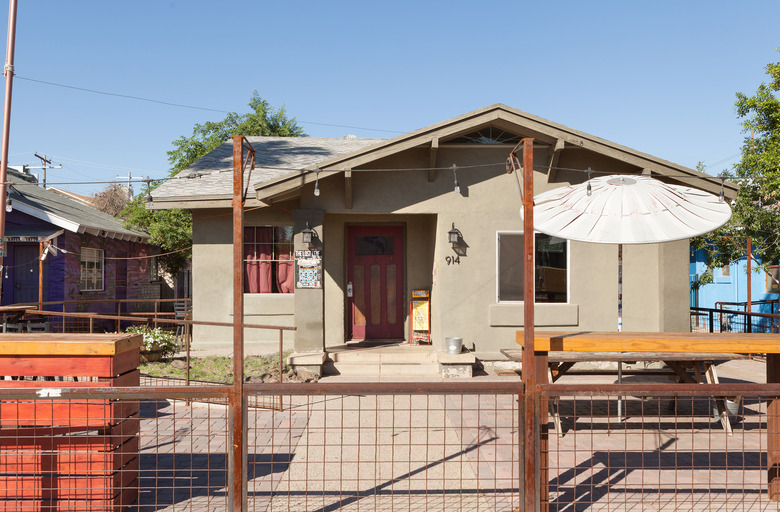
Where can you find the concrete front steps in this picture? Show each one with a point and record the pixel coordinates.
(396, 359)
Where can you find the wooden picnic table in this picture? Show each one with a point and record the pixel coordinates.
(561, 362)
(703, 365)
(666, 343)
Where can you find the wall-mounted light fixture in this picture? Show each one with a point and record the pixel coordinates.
(307, 234)
(453, 236)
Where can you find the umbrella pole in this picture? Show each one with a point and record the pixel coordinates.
(620, 324)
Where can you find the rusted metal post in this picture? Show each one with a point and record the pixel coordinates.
(531, 428)
(773, 430)
(40, 276)
(187, 348)
(281, 354)
(281, 364)
(187, 326)
(237, 462)
(9, 82)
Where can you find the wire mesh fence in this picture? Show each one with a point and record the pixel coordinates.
(392, 447)
(665, 452)
(388, 446)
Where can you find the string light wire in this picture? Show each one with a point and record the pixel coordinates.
(459, 167)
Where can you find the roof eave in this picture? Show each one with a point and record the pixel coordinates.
(75, 227)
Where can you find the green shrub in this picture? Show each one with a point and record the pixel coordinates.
(156, 339)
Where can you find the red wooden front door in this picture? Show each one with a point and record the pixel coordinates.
(375, 259)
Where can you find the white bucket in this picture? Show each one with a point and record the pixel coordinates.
(454, 345)
(732, 409)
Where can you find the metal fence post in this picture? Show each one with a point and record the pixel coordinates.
(237, 463)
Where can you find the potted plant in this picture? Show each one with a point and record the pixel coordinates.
(158, 343)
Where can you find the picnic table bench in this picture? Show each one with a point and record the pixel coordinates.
(702, 363)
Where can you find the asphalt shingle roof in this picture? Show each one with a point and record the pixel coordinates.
(52, 203)
(275, 157)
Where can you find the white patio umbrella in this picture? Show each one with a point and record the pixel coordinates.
(622, 209)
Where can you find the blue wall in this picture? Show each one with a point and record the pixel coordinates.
(53, 266)
(731, 288)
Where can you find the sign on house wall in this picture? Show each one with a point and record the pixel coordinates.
(308, 269)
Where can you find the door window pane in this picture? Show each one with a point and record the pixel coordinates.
(374, 245)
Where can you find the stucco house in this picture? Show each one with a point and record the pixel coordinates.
(90, 256)
(380, 213)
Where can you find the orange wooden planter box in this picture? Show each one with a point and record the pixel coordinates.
(69, 455)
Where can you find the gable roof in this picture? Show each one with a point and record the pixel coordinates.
(294, 161)
(36, 201)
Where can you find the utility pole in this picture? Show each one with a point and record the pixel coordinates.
(8, 70)
(130, 179)
(44, 161)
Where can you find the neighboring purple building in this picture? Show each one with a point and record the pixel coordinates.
(90, 255)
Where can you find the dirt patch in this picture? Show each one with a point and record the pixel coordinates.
(219, 369)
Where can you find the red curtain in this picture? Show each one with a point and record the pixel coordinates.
(258, 256)
(285, 274)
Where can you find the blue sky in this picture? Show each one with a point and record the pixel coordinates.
(659, 77)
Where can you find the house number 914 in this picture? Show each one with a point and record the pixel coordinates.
(452, 261)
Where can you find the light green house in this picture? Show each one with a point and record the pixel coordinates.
(381, 212)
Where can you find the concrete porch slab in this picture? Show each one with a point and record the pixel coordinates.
(399, 359)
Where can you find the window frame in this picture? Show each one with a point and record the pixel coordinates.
(498, 269)
(98, 258)
(274, 257)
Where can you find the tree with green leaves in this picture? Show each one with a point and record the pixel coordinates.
(756, 210)
(172, 229)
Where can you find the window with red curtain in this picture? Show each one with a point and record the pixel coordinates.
(268, 262)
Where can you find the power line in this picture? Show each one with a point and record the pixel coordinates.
(501, 164)
(127, 96)
(100, 165)
(181, 105)
(352, 127)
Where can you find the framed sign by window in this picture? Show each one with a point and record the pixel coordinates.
(308, 269)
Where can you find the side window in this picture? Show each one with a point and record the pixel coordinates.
(551, 270)
(510, 267)
(551, 273)
(91, 270)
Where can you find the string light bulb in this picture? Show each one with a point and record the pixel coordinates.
(317, 184)
(722, 182)
(455, 175)
(589, 189)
